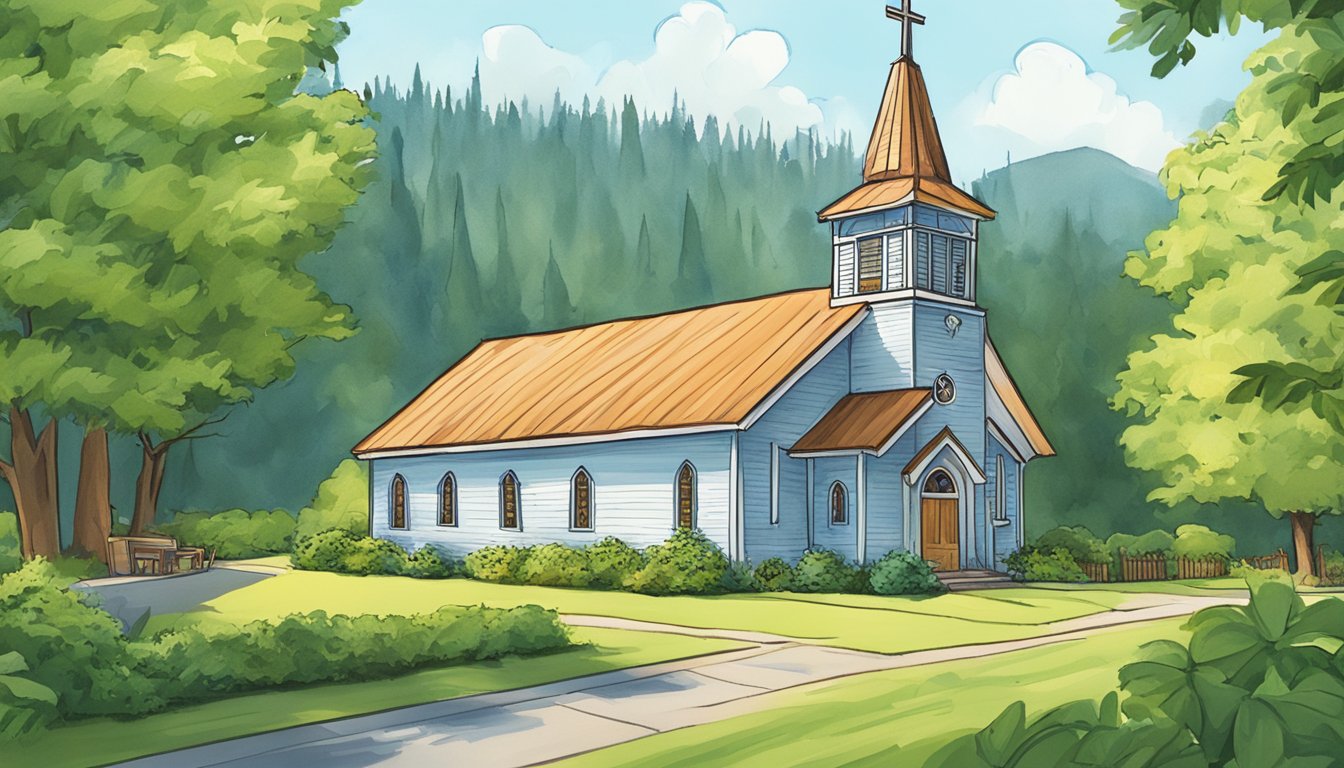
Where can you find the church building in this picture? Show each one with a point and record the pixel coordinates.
(871, 415)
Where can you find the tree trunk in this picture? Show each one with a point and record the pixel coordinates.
(93, 505)
(1304, 544)
(153, 460)
(32, 478)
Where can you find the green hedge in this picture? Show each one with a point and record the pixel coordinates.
(64, 657)
(1056, 555)
(1031, 564)
(688, 563)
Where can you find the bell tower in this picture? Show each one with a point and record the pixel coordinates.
(907, 232)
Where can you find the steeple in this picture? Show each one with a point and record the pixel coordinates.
(906, 232)
(905, 160)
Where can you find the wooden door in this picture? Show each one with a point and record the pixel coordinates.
(940, 533)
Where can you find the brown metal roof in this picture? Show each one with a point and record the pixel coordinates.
(905, 158)
(1007, 390)
(863, 421)
(700, 367)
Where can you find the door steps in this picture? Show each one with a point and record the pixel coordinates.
(958, 581)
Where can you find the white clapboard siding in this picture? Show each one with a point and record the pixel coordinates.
(632, 493)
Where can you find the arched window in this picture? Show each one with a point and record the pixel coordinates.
(940, 482)
(398, 502)
(581, 501)
(839, 504)
(686, 496)
(448, 500)
(510, 516)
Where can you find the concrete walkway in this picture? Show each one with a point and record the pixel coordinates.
(548, 722)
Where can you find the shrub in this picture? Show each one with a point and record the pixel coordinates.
(687, 563)
(11, 551)
(1254, 686)
(903, 573)
(216, 658)
(556, 565)
(324, 551)
(1079, 541)
(1031, 564)
(822, 570)
(1150, 543)
(236, 533)
(612, 561)
(1198, 542)
(374, 557)
(774, 575)
(498, 563)
(1333, 572)
(69, 646)
(342, 501)
(429, 563)
(739, 577)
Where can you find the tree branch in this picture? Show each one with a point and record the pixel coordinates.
(190, 434)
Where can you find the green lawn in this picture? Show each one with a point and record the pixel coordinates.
(899, 717)
(865, 622)
(106, 740)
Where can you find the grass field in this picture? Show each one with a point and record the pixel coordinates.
(895, 718)
(113, 740)
(864, 622)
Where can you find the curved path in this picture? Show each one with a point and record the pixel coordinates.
(544, 723)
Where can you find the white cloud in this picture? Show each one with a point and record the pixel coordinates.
(1051, 101)
(698, 55)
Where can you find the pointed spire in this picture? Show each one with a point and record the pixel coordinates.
(905, 141)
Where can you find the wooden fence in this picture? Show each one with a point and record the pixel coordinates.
(1143, 567)
(1200, 568)
(1097, 571)
(1277, 560)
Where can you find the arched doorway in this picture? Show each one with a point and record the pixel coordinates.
(940, 529)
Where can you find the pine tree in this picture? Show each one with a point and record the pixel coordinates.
(632, 150)
(507, 316)
(692, 285)
(556, 309)
(644, 249)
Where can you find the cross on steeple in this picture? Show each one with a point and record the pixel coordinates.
(908, 19)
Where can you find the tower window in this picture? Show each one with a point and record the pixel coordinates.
(870, 265)
(942, 264)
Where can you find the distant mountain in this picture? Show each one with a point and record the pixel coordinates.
(1101, 193)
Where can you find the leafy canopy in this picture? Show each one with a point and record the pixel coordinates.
(1229, 264)
(160, 179)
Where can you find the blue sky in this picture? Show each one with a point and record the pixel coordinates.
(1004, 76)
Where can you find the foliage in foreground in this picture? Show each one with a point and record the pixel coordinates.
(66, 658)
(1260, 685)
